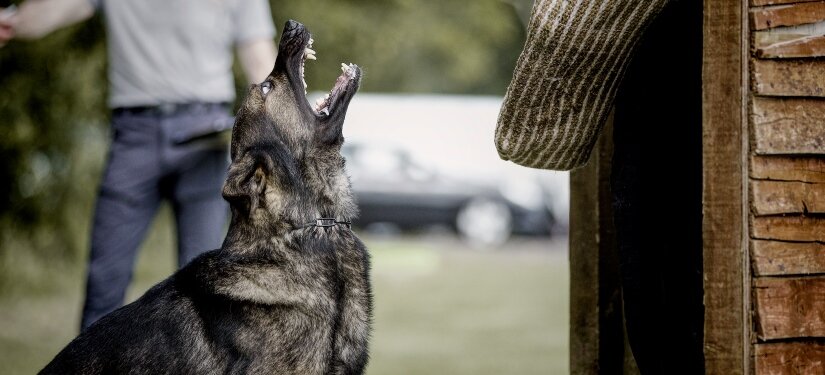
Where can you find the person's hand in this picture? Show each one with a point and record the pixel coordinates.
(8, 19)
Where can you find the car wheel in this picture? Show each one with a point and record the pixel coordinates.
(484, 222)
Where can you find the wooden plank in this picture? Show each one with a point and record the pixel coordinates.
(597, 337)
(786, 197)
(790, 41)
(780, 168)
(757, 3)
(788, 125)
(784, 46)
(790, 358)
(722, 225)
(789, 78)
(775, 258)
(764, 39)
(788, 228)
(789, 307)
(787, 15)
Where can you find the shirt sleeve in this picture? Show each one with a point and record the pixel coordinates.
(252, 20)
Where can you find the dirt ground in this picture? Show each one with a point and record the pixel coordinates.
(440, 307)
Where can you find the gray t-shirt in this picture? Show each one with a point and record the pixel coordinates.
(177, 51)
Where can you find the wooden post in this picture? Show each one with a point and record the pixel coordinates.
(597, 336)
(726, 334)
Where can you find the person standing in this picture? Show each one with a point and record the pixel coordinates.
(171, 87)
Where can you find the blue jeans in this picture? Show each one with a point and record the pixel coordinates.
(147, 163)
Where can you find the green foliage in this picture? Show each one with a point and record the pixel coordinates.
(442, 46)
(53, 116)
(53, 94)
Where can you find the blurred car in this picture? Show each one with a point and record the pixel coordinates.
(392, 188)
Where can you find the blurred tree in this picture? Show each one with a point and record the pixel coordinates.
(53, 116)
(53, 93)
(441, 46)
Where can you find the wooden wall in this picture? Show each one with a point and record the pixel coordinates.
(786, 182)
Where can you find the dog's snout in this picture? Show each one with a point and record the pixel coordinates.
(293, 27)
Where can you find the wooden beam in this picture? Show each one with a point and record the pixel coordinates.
(790, 358)
(786, 197)
(722, 189)
(784, 46)
(789, 78)
(788, 125)
(789, 307)
(788, 228)
(597, 336)
(776, 258)
(787, 15)
(780, 168)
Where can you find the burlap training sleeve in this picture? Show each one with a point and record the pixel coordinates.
(566, 79)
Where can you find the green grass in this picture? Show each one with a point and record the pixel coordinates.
(469, 313)
(440, 308)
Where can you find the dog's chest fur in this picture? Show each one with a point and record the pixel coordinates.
(304, 308)
(300, 309)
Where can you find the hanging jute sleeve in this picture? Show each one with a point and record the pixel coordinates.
(566, 79)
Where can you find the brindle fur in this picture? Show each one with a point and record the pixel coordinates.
(274, 299)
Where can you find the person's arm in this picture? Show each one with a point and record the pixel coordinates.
(37, 18)
(6, 24)
(257, 56)
(252, 35)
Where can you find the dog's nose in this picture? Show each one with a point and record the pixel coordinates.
(292, 25)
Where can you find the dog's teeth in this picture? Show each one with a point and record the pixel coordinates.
(309, 53)
(344, 67)
(325, 111)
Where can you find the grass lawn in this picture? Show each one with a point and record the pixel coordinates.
(440, 308)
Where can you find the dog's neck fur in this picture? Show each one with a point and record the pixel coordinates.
(282, 217)
(329, 184)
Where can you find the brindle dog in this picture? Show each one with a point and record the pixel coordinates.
(289, 290)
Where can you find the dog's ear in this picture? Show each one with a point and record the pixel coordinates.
(246, 181)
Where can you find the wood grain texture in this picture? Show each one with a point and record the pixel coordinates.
(788, 228)
(785, 47)
(756, 3)
(776, 258)
(790, 358)
(789, 307)
(597, 337)
(722, 225)
(787, 126)
(786, 197)
(781, 168)
(788, 78)
(787, 15)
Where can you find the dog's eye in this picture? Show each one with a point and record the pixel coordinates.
(265, 87)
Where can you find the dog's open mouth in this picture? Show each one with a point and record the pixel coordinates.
(350, 74)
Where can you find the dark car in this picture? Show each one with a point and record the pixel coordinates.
(392, 188)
